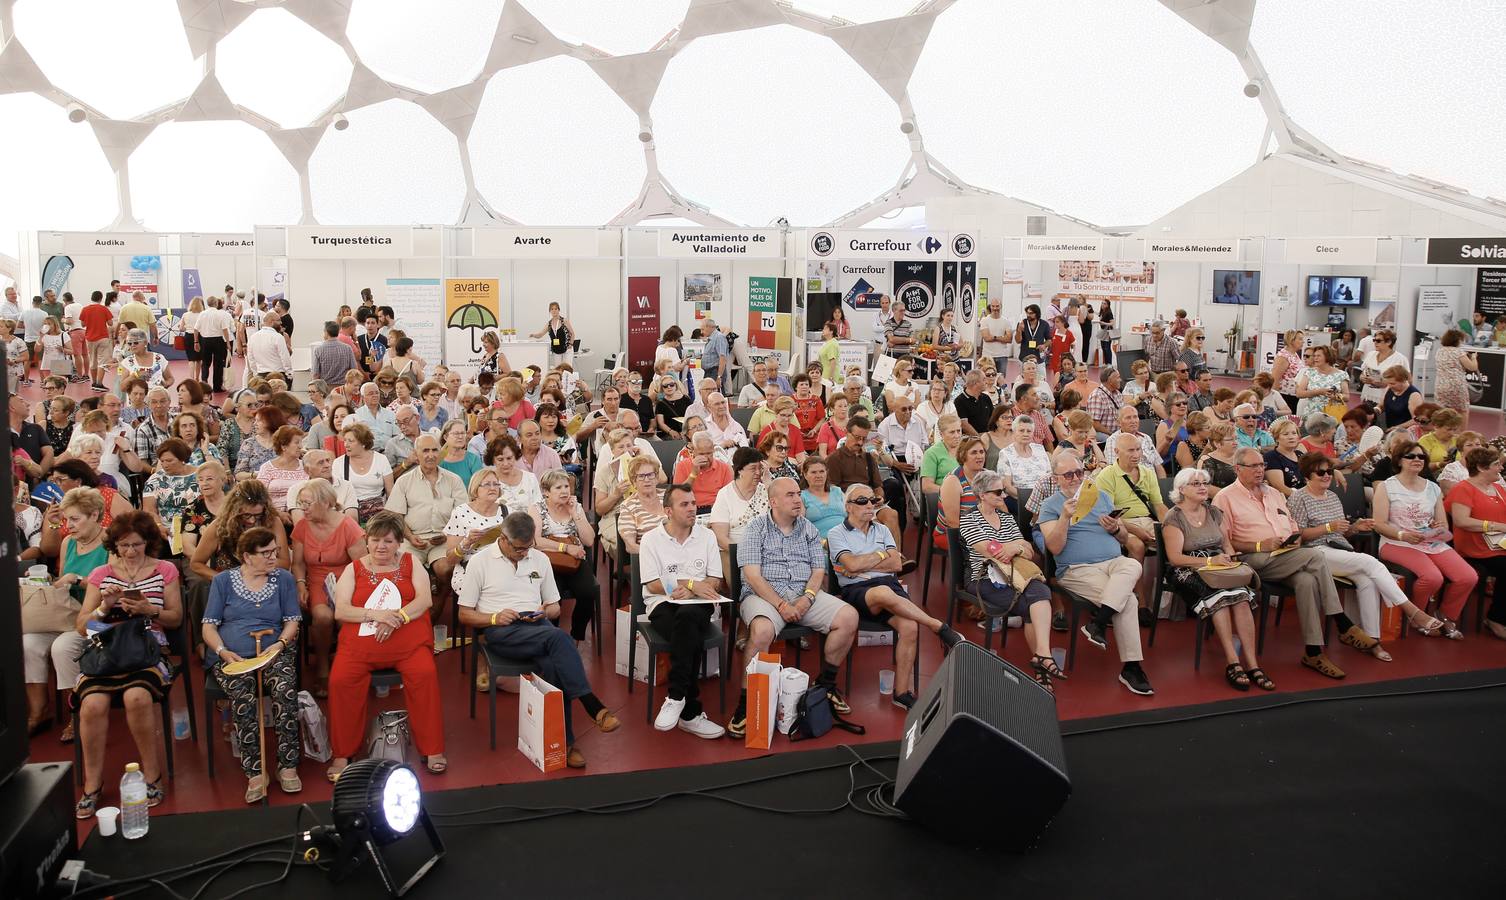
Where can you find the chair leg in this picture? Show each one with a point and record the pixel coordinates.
(1265, 607)
(167, 731)
(193, 716)
(491, 701)
(457, 630)
(925, 582)
(596, 621)
(78, 754)
(1197, 646)
(648, 695)
(1072, 635)
(471, 688)
(848, 666)
(211, 734)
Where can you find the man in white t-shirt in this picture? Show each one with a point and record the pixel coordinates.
(509, 595)
(320, 464)
(681, 569)
(997, 334)
(73, 337)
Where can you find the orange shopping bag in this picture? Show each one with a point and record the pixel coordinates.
(763, 700)
(541, 723)
(1390, 629)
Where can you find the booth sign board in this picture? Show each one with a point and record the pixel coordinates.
(223, 244)
(867, 243)
(1061, 248)
(1191, 249)
(533, 243)
(737, 243)
(1490, 251)
(1487, 381)
(319, 242)
(1437, 306)
(1490, 292)
(112, 243)
(1344, 251)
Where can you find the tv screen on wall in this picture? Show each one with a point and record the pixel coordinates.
(1235, 287)
(1335, 290)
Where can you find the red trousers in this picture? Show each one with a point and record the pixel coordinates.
(350, 686)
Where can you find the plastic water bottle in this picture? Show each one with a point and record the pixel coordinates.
(133, 811)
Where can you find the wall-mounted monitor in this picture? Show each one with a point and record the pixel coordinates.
(1336, 290)
(1236, 287)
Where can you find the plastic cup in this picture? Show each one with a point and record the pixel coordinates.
(886, 681)
(181, 729)
(1060, 655)
(441, 637)
(107, 816)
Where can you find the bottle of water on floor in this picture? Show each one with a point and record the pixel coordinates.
(133, 811)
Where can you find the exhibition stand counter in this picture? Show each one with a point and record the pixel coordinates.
(1488, 381)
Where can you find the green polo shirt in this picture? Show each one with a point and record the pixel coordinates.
(1111, 481)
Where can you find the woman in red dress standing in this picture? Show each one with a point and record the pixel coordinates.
(386, 637)
(1062, 340)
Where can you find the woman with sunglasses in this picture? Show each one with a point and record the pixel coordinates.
(1376, 366)
(139, 361)
(1195, 537)
(1410, 517)
(901, 385)
(1478, 505)
(1172, 431)
(246, 404)
(1192, 354)
(257, 595)
(994, 541)
(669, 412)
(1281, 461)
(1319, 513)
(776, 450)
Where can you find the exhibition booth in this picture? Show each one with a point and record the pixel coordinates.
(621, 288)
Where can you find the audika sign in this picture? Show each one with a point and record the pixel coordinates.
(1485, 251)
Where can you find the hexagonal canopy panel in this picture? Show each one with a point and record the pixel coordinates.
(1403, 85)
(775, 122)
(1113, 112)
(123, 59)
(277, 66)
(856, 10)
(67, 182)
(394, 165)
(615, 26)
(553, 145)
(211, 176)
(426, 46)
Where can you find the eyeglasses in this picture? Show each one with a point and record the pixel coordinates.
(1248, 418)
(1253, 465)
(863, 501)
(998, 492)
(1421, 456)
(1071, 474)
(138, 545)
(1196, 482)
(1424, 421)
(268, 553)
(1181, 371)
(1322, 473)
(1180, 403)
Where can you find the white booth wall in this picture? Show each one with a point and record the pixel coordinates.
(94, 271)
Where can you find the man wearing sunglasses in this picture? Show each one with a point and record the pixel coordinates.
(869, 568)
(1258, 522)
(1247, 430)
(783, 569)
(1091, 563)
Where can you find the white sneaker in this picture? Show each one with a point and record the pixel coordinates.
(669, 714)
(700, 726)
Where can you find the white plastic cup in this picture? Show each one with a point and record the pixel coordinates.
(886, 681)
(181, 729)
(107, 816)
(441, 637)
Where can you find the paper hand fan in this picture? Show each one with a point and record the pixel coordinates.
(1087, 498)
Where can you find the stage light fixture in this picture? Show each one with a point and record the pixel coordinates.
(377, 803)
(341, 123)
(76, 113)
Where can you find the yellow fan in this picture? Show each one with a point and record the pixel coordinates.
(1087, 498)
(1219, 567)
(244, 666)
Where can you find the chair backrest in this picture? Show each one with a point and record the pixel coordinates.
(667, 451)
(1021, 515)
(930, 505)
(957, 559)
(1165, 484)
(1352, 496)
(734, 575)
(742, 415)
(1148, 426)
(635, 586)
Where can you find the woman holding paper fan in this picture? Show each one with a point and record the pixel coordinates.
(1409, 514)
(325, 541)
(382, 602)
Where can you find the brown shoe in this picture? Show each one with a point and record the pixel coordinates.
(483, 682)
(575, 759)
(1355, 637)
(1322, 665)
(606, 723)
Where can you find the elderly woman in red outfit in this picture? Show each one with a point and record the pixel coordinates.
(382, 601)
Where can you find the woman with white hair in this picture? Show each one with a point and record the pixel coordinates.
(1194, 536)
(139, 361)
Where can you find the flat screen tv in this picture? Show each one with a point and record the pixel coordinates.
(1235, 287)
(1336, 290)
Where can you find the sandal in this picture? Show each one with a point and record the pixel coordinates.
(1355, 636)
(1261, 680)
(333, 774)
(1380, 653)
(154, 793)
(1044, 680)
(1047, 666)
(84, 808)
(436, 765)
(483, 682)
(67, 736)
(256, 789)
(1438, 628)
(1237, 677)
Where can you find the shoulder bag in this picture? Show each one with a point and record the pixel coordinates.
(126, 647)
(561, 561)
(46, 609)
(390, 736)
(815, 717)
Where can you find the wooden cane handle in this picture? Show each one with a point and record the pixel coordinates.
(258, 635)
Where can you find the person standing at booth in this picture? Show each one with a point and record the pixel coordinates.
(561, 336)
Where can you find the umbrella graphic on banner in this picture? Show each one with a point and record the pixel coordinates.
(475, 317)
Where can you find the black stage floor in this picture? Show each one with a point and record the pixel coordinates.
(1370, 791)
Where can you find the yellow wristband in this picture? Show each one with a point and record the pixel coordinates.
(494, 618)
(690, 584)
(1328, 528)
(1257, 546)
(561, 546)
(883, 555)
(403, 614)
(1486, 529)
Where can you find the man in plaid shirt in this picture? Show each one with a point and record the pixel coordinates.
(1104, 401)
(153, 430)
(783, 571)
(1160, 349)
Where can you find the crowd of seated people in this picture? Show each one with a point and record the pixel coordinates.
(338, 527)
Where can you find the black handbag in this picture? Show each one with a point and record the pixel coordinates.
(814, 715)
(129, 646)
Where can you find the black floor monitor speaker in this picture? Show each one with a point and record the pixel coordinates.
(981, 758)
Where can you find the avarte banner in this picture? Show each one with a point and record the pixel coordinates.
(471, 306)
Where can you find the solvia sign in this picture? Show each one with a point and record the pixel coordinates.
(1486, 251)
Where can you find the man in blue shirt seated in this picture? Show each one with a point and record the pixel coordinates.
(783, 568)
(868, 566)
(1090, 563)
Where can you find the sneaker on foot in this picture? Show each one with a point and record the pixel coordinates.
(669, 714)
(1094, 633)
(949, 637)
(700, 726)
(737, 726)
(904, 701)
(98, 388)
(1059, 621)
(1134, 679)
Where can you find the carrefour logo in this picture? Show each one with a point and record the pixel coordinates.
(930, 245)
(962, 245)
(823, 243)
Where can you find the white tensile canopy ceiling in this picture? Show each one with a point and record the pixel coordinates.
(214, 115)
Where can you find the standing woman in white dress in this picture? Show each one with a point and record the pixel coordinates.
(1376, 362)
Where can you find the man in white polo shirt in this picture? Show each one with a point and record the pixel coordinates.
(681, 567)
(509, 593)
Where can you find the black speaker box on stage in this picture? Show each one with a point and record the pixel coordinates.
(981, 758)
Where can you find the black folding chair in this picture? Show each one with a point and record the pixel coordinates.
(497, 666)
(931, 510)
(959, 590)
(667, 452)
(639, 624)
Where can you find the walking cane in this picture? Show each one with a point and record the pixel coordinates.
(261, 722)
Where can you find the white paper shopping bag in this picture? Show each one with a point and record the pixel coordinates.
(793, 683)
(541, 723)
(763, 700)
